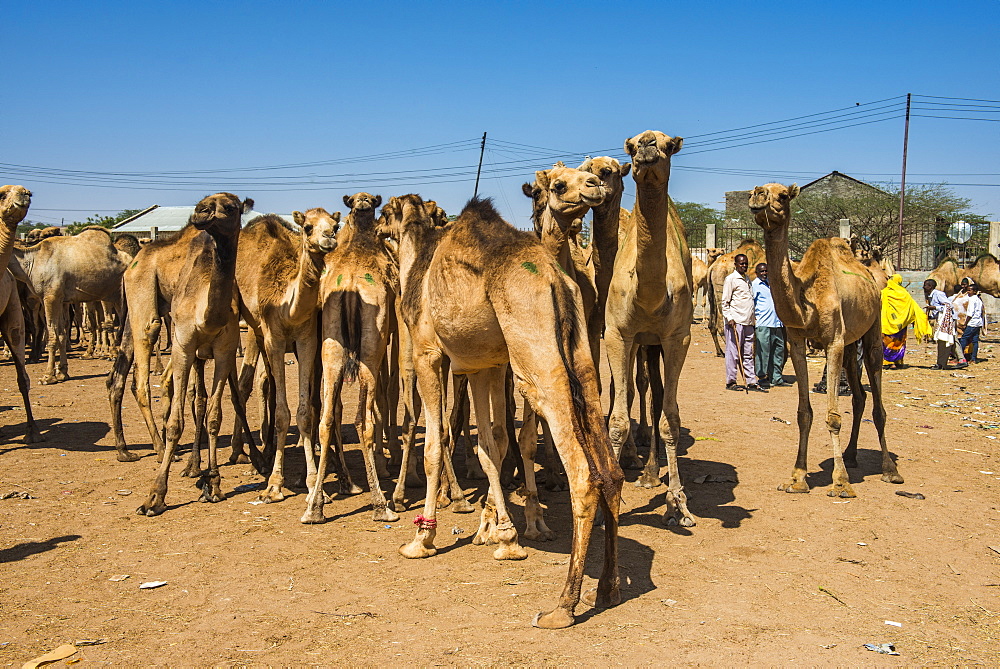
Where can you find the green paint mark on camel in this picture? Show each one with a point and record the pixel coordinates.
(530, 266)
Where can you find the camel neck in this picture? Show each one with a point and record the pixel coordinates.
(785, 286)
(650, 229)
(222, 281)
(305, 288)
(604, 236)
(7, 236)
(555, 238)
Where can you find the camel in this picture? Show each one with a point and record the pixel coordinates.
(604, 232)
(833, 300)
(278, 273)
(723, 266)
(14, 203)
(985, 271)
(192, 276)
(649, 303)
(38, 234)
(699, 277)
(948, 274)
(61, 270)
(357, 299)
(487, 295)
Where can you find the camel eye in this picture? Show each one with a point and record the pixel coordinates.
(308, 229)
(783, 196)
(606, 172)
(559, 188)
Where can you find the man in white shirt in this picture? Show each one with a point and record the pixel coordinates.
(974, 324)
(738, 316)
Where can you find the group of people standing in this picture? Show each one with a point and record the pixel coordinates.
(755, 336)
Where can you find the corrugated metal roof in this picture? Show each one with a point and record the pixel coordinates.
(171, 219)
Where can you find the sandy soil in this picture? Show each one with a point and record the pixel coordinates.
(764, 578)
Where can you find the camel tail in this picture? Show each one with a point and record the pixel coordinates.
(350, 327)
(713, 316)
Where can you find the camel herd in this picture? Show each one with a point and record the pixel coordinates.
(400, 298)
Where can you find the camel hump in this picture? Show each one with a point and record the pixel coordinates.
(482, 208)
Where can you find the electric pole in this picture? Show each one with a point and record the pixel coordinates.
(902, 184)
(482, 149)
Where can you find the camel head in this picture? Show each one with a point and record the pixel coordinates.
(404, 210)
(611, 173)
(220, 213)
(360, 202)
(565, 192)
(437, 214)
(319, 228)
(771, 205)
(650, 152)
(712, 253)
(14, 203)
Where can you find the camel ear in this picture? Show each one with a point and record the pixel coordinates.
(793, 191)
(335, 216)
(542, 179)
(247, 205)
(629, 147)
(349, 201)
(378, 202)
(626, 168)
(299, 218)
(674, 145)
(528, 190)
(585, 165)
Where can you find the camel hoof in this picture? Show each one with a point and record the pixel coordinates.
(842, 490)
(311, 517)
(443, 501)
(556, 484)
(397, 505)
(238, 459)
(47, 380)
(272, 494)
(535, 535)
(349, 488)
(592, 598)
(127, 456)
(556, 619)
(688, 521)
(892, 477)
(511, 551)
(384, 515)
(851, 464)
(416, 549)
(648, 480)
(154, 506)
(61, 376)
(794, 486)
(35, 437)
(192, 471)
(462, 506)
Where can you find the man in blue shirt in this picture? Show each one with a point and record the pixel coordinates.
(770, 332)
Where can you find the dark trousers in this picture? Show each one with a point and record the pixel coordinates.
(769, 358)
(971, 335)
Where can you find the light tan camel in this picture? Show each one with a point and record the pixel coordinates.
(37, 235)
(14, 203)
(604, 230)
(833, 300)
(485, 295)
(948, 274)
(723, 266)
(699, 279)
(278, 273)
(357, 299)
(62, 270)
(193, 277)
(649, 303)
(986, 273)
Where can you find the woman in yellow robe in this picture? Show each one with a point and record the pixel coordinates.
(899, 310)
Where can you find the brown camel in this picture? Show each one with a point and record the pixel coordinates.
(604, 232)
(833, 300)
(37, 235)
(699, 279)
(723, 266)
(649, 303)
(485, 294)
(193, 277)
(986, 273)
(14, 203)
(62, 270)
(278, 273)
(357, 299)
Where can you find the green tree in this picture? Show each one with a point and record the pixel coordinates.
(26, 226)
(695, 217)
(103, 221)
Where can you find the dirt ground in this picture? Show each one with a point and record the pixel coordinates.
(764, 578)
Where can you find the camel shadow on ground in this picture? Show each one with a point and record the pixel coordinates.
(869, 465)
(68, 435)
(28, 548)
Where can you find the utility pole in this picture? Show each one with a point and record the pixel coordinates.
(482, 149)
(902, 184)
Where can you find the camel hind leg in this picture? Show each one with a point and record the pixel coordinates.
(857, 402)
(670, 431)
(841, 482)
(12, 329)
(873, 365)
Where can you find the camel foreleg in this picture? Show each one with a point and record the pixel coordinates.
(804, 416)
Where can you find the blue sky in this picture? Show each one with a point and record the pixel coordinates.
(129, 91)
